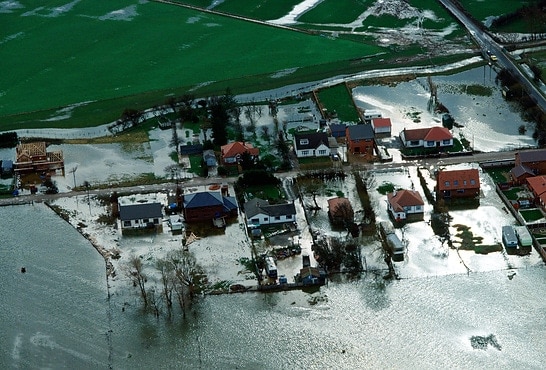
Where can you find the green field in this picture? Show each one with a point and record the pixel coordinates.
(99, 58)
(337, 98)
(481, 10)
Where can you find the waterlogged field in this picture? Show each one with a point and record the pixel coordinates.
(484, 11)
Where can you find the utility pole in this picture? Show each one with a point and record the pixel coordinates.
(73, 172)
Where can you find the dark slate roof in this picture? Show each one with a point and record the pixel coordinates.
(532, 156)
(315, 140)
(256, 206)
(140, 211)
(338, 127)
(364, 131)
(209, 199)
(191, 149)
(518, 171)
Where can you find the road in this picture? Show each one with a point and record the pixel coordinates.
(490, 46)
(199, 181)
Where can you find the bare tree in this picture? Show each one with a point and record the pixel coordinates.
(134, 271)
(166, 270)
(185, 275)
(265, 134)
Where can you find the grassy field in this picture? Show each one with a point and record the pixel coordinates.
(337, 98)
(82, 63)
(481, 10)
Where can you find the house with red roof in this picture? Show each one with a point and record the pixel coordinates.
(382, 127)
(405, 204)
(431, 137)
(458, 183)
(231, 153)
(537, 185)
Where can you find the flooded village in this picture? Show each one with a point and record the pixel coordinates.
(371, 196)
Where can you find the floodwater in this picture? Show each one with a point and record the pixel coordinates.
(490, 123)
(58, 315)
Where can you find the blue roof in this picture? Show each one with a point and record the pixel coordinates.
(209, 199)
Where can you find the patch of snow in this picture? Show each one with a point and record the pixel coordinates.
(10, 6)
(296, 12)
(52, 12)
(66, 112)
(284, 72)
(192, 20)
(11, 37)
(125, 14)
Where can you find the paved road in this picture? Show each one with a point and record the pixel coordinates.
(164, 187)
(490, 46)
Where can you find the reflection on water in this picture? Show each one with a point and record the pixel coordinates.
(50, 318)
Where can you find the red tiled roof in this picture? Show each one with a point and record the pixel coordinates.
(428, 134)
(537, 184)
(462, 177)
(404, 198)
(381, 122)
(237, 147)
(438, 134)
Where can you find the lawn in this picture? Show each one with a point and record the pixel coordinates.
(339, 100)
(499, 175)
(267, 192)
(531, 215)
(512, 193)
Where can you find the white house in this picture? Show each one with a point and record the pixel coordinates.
(405, 203)
(140, 216)
(432, 137)
(313, 144)
(260, 212)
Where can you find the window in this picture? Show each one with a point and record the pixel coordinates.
(156, 221)
(288, 217)
(472, 182)
(455, 182)
(305, 152)
(446, 183)
(322, 152)
(126, 223)
(418, 208)
(464, 182)
(430, 143)
(304, 141)
(460, 191)
(446, 142)
(277, 218)
(414, 142)
(255, 221)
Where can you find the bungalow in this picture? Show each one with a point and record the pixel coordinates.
(340, 210)
(313, 144)
(532, 160)
(360, 139)
(432, 137)
(458, 184)
(208, 205)
(260, 212)
(231, 153)
(141, 216)
(382, 127)
(403, 204)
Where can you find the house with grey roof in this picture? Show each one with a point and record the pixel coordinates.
(141, 216)
(360, 139)
(314, 144)
(259, 212)
(528, 162)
